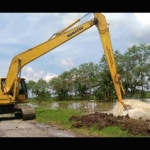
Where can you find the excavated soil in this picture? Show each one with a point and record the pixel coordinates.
(134, 126)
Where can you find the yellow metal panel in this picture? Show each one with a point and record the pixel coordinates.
(103, 30)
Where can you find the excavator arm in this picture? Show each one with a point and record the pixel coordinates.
(104, 33)
(61, 37)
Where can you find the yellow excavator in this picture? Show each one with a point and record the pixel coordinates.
(13, 91)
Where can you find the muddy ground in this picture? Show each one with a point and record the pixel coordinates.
(134, 126)
(11, 127)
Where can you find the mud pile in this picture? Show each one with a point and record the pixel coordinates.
(136, 121)
(134, 126)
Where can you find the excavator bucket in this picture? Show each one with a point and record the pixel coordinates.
(126, 106)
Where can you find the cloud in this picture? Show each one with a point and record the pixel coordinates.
(65, 63)
(32, 74)
(143, 18)
(49, 76)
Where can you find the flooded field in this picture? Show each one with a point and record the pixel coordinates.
(82, 106)
(139, 108)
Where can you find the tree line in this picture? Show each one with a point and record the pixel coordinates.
(93, 81)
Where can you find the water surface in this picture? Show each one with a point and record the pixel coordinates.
(139, 108)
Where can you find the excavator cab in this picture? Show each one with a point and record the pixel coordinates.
(23, 88)
(15, 101)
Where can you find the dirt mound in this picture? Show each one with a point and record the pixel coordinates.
(134, 126)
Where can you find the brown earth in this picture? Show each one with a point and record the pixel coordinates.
(134, 126)
(11, 127)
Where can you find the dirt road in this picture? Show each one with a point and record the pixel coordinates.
(11, 127)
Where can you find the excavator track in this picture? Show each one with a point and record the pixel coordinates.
(25, 111)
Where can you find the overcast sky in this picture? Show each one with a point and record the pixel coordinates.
(22, 31)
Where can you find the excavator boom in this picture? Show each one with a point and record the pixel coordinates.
(10, 86)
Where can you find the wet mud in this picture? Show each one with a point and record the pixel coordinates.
(133, 126)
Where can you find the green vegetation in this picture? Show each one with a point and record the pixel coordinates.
(55, 117)
(114, 131)
(61, 117)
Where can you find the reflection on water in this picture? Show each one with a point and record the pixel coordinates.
(88, 106)
(54, 105)
(95, 106)
(91, 106)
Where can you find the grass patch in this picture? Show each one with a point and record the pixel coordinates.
(59, 117)
(113, 131)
